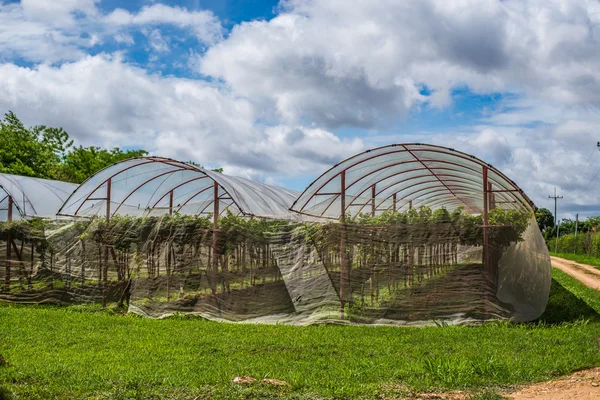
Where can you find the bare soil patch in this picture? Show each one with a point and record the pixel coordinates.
(586, 274)
(582, 385)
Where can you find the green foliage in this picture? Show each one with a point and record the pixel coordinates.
(82, 162)
(30, 152)
(544, 218)
(112, 356)
(584, 244)
(45, 152)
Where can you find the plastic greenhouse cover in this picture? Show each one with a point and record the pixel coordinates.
(415, 267)
(155, 186)
(416, 174)
(32, 197)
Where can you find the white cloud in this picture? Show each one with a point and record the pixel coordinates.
(157, 42)
(101, 100)
(58, 12)
(205, 25)
(358, 66)
(43, 31)
(285, 85)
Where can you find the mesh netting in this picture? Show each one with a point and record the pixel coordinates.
(412, 267)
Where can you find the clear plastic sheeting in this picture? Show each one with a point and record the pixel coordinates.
(32, 197)
(413, 268)
(401, 176)
(401, 235)
(153, 186)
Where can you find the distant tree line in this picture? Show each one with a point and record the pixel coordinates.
(45, 152)
(545, 221)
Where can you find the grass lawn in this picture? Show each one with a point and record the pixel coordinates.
(580, 258)
(80, 353)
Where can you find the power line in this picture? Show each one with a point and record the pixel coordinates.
(587, 163)
(597, 172)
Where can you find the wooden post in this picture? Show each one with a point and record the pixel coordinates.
(394, 206)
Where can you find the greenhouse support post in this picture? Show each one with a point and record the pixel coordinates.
(215, 258)
(108, 190)
(373, 200)
(8, 246)
(485, 255)
(342, 240)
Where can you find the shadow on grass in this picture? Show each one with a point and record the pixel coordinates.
(564, 306)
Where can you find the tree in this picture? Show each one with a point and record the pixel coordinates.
(33, 152)
(82, 162)
(45, 152)
(544, 218)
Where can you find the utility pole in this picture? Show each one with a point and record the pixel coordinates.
(556, 198)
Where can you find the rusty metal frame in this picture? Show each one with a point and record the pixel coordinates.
(178, 186)
(194, 195)
(12, 197)
(417, 151)
(179, 166)
(144, 184)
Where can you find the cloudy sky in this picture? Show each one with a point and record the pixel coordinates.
(279, 91)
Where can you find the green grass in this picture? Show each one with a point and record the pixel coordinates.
(85, 353)
(580, 258)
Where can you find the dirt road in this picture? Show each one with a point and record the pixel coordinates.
(586, 274)
(582, 385)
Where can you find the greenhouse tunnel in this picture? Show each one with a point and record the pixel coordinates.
(402, 234)
(408, 177)
(24, 198)
(152, 186)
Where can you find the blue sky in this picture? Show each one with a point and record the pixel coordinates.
(279, 91)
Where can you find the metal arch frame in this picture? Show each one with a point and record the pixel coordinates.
(178, 186)
(11, 203)
(194, 195)
(394, 164)
(144, 184)
(456, 188)
(143, 161)
(474, 182)
(448, 180)
(455, 179)
(406, 196)
(16, 204)
(437, 178)
(401, 148)
(420, 169)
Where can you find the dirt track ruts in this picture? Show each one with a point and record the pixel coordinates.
(586, 274)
